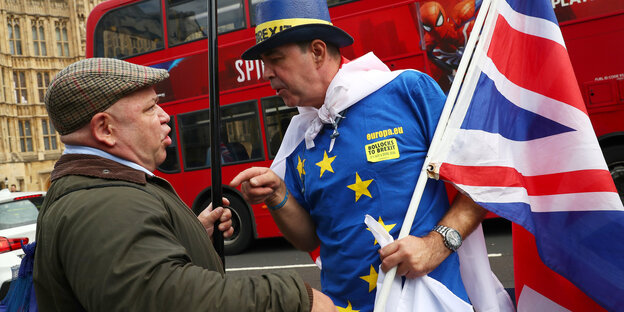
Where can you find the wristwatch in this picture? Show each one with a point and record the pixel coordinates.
(452, 238)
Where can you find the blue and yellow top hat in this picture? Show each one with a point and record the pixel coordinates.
(288, 21)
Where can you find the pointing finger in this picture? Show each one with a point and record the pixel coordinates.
(246, 175)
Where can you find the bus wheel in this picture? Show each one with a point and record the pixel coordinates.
(614, 155)
(243, 229)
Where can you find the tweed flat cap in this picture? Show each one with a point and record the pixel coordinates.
(90, 86)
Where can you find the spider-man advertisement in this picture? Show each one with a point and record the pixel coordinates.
(446, 26)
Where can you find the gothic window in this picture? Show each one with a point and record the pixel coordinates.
(25, 133)
(2, 86)
(43, 80)
(19, 85)
(62, 41)
(38, 34)
(15, 37)
(49, 135)
(9, 136)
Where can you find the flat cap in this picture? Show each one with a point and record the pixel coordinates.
(90, 86)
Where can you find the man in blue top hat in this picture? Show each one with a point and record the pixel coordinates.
(356, 148)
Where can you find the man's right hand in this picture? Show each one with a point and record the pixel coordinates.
(263, 185)
(259, 184)
(322, 303)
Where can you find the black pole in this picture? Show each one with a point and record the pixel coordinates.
(215, 125)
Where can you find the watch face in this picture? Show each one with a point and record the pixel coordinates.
(454, 239)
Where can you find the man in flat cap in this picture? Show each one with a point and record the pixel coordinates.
(355, 149)
(111, 236)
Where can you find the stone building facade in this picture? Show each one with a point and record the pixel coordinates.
(37, 39)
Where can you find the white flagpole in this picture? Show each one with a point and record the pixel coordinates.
(380, 303)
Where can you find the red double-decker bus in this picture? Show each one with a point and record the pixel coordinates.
(594, 35)
(424, 35)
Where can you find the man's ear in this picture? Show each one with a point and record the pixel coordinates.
(319, 51)
(102, 129)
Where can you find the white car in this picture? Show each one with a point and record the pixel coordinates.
(18, 221)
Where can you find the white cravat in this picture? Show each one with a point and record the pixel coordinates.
(353, 82)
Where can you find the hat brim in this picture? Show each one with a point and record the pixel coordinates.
(327, 33)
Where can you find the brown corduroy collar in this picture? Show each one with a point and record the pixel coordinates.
(95, 166)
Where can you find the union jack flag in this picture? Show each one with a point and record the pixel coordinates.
(520, 143)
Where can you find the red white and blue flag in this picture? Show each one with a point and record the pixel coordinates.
(520, 143)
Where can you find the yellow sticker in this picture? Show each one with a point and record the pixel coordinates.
(382, 150)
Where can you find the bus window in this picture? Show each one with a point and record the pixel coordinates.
(129, 31)
(331, 3)
(231, 15)
(240, 136)
(240, 130)
(188, 20)
(252, 10)
(171, 163)
(276, 119)
(195, 139)
(253, 3)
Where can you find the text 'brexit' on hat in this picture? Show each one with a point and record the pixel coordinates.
(90, 86)
(289, 21)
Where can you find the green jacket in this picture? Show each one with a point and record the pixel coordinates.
(111, 238)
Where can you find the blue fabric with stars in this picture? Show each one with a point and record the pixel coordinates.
(408, 108)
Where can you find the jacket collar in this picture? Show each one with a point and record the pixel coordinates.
(97, 167)
(81, 149)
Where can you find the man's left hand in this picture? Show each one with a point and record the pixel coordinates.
(414, 256)
(208, 217)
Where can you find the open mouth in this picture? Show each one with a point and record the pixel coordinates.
(167, 140)
(278, 89)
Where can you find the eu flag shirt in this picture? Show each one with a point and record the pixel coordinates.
(372, 169)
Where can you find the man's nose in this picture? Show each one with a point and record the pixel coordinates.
(268, 73)
(164, 117)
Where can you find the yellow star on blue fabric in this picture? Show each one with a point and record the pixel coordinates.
(360, 187)
(371, 279)
(349, 308)
(300, 168)
(325, 164)
(387, 227)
